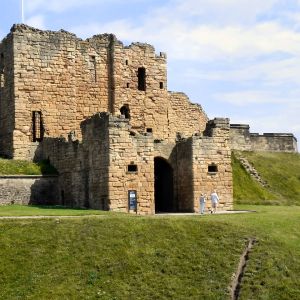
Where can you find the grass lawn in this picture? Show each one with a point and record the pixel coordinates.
(128, 257)
(23, 167)
(43, 210)
(280, 170)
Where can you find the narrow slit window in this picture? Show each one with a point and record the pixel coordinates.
(2, 70)
(161, 85)
(1, 79)
(132, 168)
(126, 62)
(213, 168)
(128, 85)
(93, 72)
(141, 79)
(37, 126)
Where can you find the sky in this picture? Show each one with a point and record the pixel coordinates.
(237, 58)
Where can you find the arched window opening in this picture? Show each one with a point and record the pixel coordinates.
(141, 79)
(125, 111)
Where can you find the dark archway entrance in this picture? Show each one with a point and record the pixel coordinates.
(164, 191)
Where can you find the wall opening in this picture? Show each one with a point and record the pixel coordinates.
(62, 196)
(92, 67)
(1, 70)
(149, 130)
(132, 168)
(163, 185)
(128, 85)
(125, 111)
(126, 62)
(37, 126)
(141, 79)
(161, 85)
(213, 168)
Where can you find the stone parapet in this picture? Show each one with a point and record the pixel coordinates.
(242, 139)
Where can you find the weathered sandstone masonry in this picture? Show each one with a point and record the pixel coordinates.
(112, 160)
(54, 80)
(101, 113)
(28, 189)
(242, 139)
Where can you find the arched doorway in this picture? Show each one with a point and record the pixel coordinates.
(163, 174)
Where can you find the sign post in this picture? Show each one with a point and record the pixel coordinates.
(132, 201)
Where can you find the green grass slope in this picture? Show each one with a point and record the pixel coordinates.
(127, 257)
(45, 210)
(280, 170)
(22, 167)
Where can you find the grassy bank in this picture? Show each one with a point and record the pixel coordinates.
(22, 167)
(280, 170)
(42, 210)
(131, 257)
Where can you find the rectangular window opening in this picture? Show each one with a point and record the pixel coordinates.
(161, 85)
(212, 168)
(128, 85)
(37, 126)
(141, 79)
(149, 130)
(92, 67)
(2, 81)
(132, 168)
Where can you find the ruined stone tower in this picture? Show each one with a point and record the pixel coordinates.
(101, 113)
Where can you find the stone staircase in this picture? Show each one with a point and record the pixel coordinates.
(251, 170)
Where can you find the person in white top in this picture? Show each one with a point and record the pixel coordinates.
(202, 201)
(214, 201)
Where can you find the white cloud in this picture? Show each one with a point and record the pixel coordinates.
(58, 6)
(203, 42)
(256, 97)
(229, 11)
(37, 21)
(270, 74)
(55, 5)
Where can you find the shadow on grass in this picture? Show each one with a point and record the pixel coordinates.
(58, 207)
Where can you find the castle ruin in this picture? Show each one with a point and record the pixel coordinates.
(101, 113)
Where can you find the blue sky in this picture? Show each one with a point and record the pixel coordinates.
(237, 58)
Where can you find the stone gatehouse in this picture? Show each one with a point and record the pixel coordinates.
(102, 114)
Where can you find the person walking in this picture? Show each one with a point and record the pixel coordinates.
(202, 201)
(214, 201)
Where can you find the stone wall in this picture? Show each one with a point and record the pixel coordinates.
(131, 167)
(7, 103)
(242, 139)
(275, 142)
(29, 190)
(111, 160)
(67, 79)
(212, 150)
(63, 77)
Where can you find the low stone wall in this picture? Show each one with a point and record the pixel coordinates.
(242, 139)
(19, 189)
